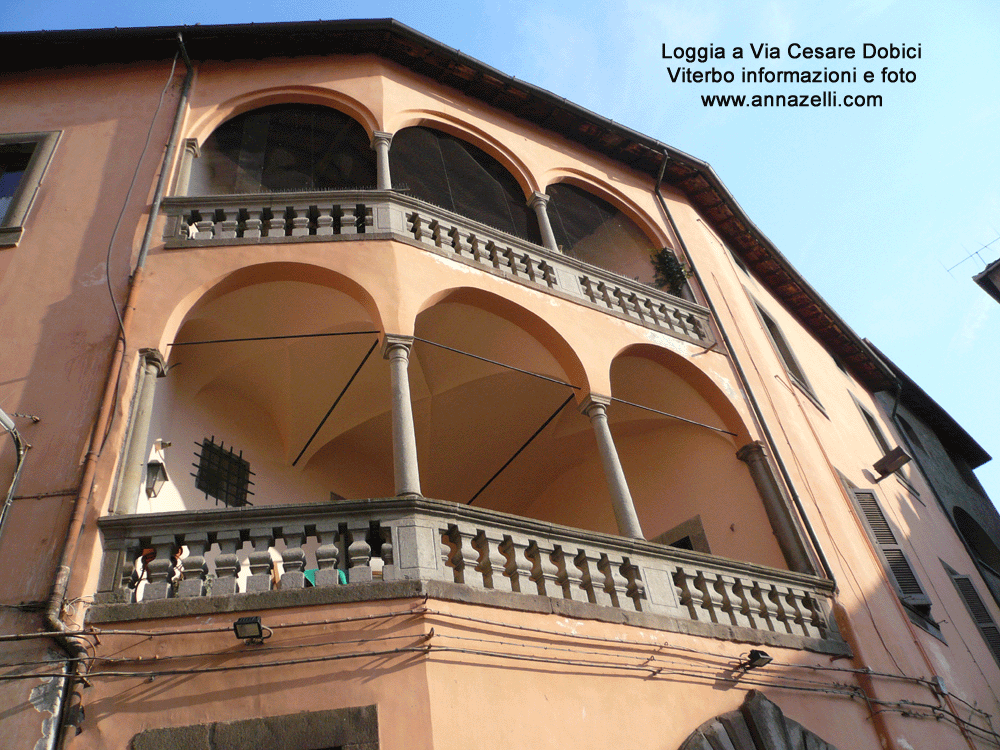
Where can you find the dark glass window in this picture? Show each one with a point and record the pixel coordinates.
(222, 474)
(284, 147)
(450, 173)
(591, 229)
(14, 160)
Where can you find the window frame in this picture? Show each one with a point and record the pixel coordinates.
(883, 442)
(12, 222)
(977, 609)
(791, 364)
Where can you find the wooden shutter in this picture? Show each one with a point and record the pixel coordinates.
(977, 608)
(896, 563)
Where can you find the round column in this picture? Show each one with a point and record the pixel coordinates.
(539, 201)
(404, 439)
(596, 407)
(380, 142)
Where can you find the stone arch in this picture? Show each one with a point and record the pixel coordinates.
(610, 194)
(208, 122)
(533, 324)
(758, 724)
(478, 137)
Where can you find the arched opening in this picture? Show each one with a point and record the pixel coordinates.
(593, 230)
(254, 371)
(683, 473)
(284, 147)
(445, 170)
(493, 436)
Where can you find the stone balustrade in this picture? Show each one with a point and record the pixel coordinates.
(397, 539)
(384, 214)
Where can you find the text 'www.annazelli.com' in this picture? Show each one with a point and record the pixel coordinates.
(826, 99)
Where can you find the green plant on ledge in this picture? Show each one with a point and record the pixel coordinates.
(671, 274)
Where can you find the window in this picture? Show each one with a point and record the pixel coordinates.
(882, 441)
(896, 564)
(284, 147)
(222, 474)
(23, 159)
(444, 170)
(911, 434)
(977, 609)
(791, 364)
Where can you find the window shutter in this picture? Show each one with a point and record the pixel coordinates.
(981, 615)
(901, 572)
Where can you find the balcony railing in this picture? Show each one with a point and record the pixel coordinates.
(419, 539)
(384, 214)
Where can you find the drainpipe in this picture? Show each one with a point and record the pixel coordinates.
(72, 710)
(741, 373)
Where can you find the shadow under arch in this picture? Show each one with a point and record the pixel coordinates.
(435, 120)
(727, 414)
(257, 359)
(678, 436)
(208, 122)
(260, 273)
(531, 323)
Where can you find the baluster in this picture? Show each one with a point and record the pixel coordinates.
(456, 240)
(635, 589)
(195, 566)
(260, 560)
(651, 309)
(388, 561)
(327, 554)
(435, 227)
(468, 553)
(416, 225)
(697, 327)
(571, 577)
(686, 595)
(273, 226)
(588, 288)
(667, 318)
(293, 558)
(615, 584)
(711, 600)
(816, 615)
(365, 216)
(474, 248)
(747, 606)
(784, 614)
(494, 255)
(637, 306)
(602, 289)
(732, 604)
(298, 222)
(622, 301)
(520, 566)
(226, 223)
(160, 569)
(681, 322)
(545, 572)
(253, 224)
(450, 552)
(349, 220)
(529, 267)
(548, 273)
(204, 225)
(591, 579)
(511, 261)
(797, 612)
(359, 555)
(325, 219)
(227, 564)
(494, 563)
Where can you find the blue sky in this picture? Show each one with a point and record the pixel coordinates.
(872, 205)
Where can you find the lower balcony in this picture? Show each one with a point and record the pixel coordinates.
(323, 553)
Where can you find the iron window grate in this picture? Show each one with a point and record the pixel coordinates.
(222, 474)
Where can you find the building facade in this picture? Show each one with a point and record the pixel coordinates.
(502, 422)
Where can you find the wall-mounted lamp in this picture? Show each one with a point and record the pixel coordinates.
(757, 658)
(890, 462)
(156, 477)
(250, 630)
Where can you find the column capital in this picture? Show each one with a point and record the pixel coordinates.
(153, 357)
(751, 452)
(395, 341)
(596, 402)
(192, 147)
(380, 136)
(536, 197)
